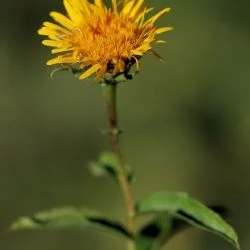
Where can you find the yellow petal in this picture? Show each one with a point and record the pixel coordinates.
(127, 7)
(162, 30)
(81, 5)
(84, 6)
(90, 71)
(143, 48)
(63, 20)
(99, 3)
(102, 71)
(52, 34)
(74, 15)
(160, 41)
(44, 31)
(61, 60)
(141, 15)
(59, 50)
(56, 27)
(137, 52)
(154, 18)
(51, 43)
(136, 8)
(114, 5)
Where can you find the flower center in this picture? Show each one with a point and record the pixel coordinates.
(107, 39)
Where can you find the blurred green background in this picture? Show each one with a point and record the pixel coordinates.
(186, 124)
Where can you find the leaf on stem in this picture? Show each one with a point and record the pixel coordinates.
(154, 234)
(70, 218)
(107, 166)
(181, 207)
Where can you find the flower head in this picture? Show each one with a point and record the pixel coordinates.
(100, 39)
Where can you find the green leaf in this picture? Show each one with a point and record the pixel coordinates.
(183, 207)
(161, 229)
(70, 218)
(107, 166)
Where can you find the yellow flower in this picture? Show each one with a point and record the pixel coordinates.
(100, 39)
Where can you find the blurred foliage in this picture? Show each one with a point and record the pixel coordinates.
(186, 123)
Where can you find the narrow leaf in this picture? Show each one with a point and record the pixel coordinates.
(161, 229)
(69, 218)
(184, 207)
(107, 166)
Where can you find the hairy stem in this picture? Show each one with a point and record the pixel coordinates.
(109, 91)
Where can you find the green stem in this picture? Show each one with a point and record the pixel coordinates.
(109, 91)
